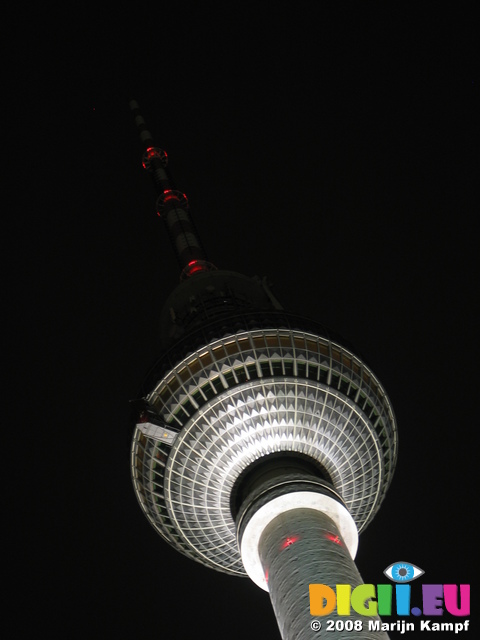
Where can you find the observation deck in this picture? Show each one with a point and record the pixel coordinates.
(247, 386)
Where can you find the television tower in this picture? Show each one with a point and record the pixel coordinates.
(263, 443)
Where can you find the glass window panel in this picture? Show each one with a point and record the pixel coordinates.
(346, 361)
(259, 342)
(324, 349)
(336, 355)
(299, 342)
(206, 359)
(194, 366)
(231, 348)
(218, 352)
(244, 344)
(286, 341)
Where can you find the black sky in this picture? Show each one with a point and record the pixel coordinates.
(330, 146)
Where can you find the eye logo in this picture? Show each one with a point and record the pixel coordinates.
(403, 572)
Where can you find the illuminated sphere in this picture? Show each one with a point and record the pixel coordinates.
(242, 386)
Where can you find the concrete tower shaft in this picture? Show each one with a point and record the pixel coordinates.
(296, 548)
(292, 528)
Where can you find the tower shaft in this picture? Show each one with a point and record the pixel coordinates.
(294, 531)
(301, 547)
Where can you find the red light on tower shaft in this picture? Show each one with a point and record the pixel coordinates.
(334, 538)
(289, 541)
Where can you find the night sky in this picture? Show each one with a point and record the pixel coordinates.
(329, 146)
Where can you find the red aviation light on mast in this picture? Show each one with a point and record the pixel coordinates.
(196, 266)
(154, 153)
(168, 195)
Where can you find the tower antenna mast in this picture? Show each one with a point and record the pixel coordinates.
(172, 205)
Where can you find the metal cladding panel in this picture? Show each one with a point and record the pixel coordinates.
(255, 420)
